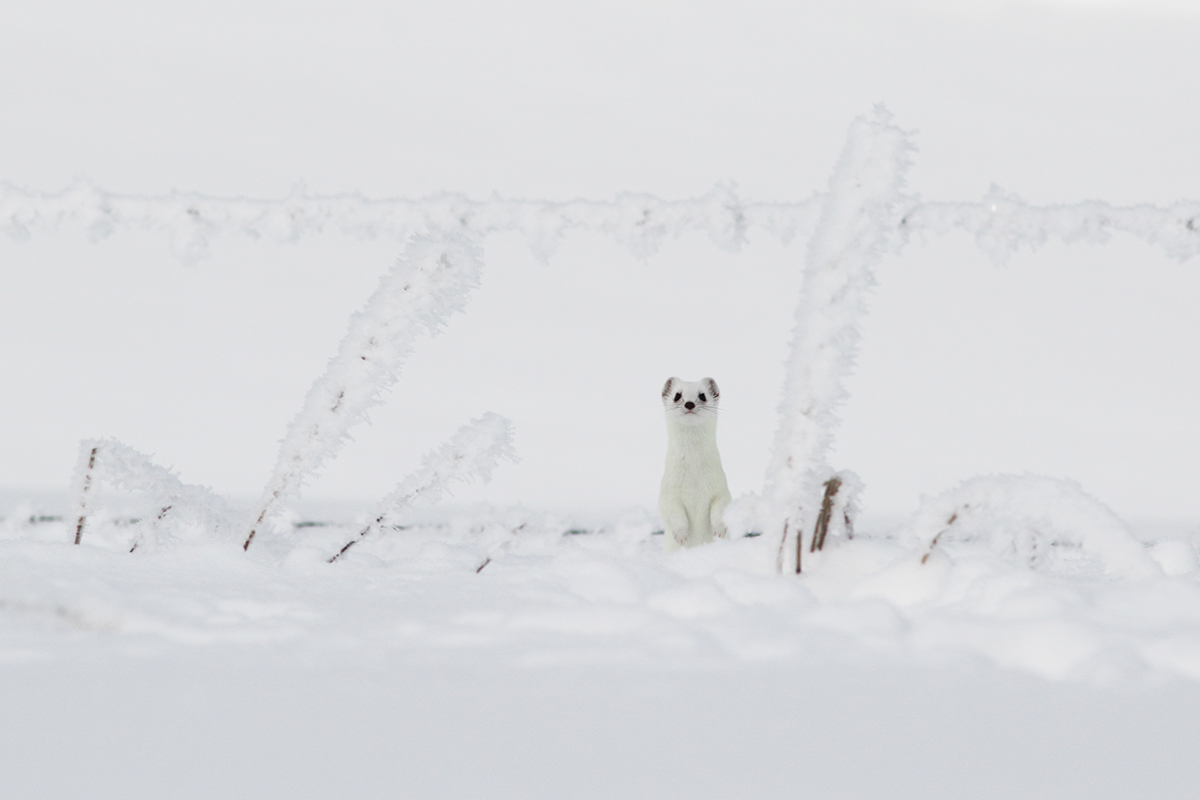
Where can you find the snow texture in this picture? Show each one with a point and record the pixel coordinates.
(607, 594)
(157, 508)
(1045, 523)
(473, 452)
(431, 280)
(858, 224)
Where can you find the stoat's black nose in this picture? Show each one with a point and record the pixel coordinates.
(689, 405)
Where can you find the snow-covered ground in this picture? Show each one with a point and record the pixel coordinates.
(504, 653)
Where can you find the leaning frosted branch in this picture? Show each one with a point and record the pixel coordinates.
(473, 452)
(430, 281)
(107, 464)
(858, 224)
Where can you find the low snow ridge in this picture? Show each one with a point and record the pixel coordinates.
(509, 586)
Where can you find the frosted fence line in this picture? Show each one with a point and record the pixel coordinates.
(639, 222)
(1003, 222)
(1000, 222)
(859, 222)
(474, 452)
(165, 502)
(430, 281)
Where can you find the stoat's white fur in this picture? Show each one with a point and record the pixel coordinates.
(694, 494)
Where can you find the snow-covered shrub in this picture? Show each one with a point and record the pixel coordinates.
(431, 280)
(473, 452)
(858, 224)
(159, 509)
(1034, 521)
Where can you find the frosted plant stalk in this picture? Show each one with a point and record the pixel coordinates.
(858, 224)
(1026, 517)
(431, 280)
(165, 501)
(473, 452)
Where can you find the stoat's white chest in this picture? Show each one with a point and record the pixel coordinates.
(694, 493)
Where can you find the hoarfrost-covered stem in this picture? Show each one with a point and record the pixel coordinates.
(431, 280)
(473, 452)
(106, 464)
(83, 484)
(858, 224)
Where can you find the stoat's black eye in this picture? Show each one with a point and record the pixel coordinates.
(703, 399)
(677, 396)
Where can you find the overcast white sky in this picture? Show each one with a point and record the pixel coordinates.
(1075, 362)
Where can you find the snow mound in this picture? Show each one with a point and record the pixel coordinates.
(1043, 523)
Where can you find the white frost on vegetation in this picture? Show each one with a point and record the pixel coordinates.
(431, 280)
(1044, 523)
(159, 508)
(640, 222)
(472, 453)
(1001, 222)
(858, 224)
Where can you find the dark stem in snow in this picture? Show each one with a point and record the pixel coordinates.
(257, 523)
(782, 546)
(822, 527)
(503, 544)
(87, 482)
(934, 541)
(378, 521)
(799, 544)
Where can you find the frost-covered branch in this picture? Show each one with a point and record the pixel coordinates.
(858, 224)
(473, 452)
(640, 222)
(1030, 519)
(431, 280)
(164, 501)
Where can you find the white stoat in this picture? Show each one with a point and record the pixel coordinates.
(694, 494)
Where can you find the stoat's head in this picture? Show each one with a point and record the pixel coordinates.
(691, 402)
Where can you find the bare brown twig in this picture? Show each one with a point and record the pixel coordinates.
(822, 527)
(87, 483)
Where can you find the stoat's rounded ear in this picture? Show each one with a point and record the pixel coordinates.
(667, 387)
(712, 387)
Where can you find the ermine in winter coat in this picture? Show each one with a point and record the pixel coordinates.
(694, 494)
